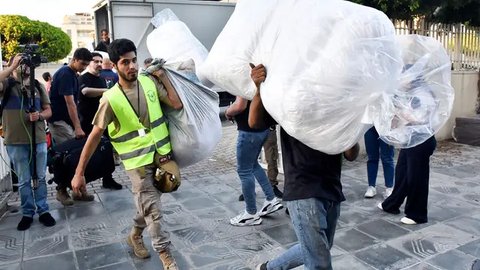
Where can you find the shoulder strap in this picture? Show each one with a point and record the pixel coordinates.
(6, 96)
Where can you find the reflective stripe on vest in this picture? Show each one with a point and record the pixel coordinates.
(135, 148)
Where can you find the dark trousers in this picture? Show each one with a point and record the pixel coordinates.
(412, 175)
(271, 155)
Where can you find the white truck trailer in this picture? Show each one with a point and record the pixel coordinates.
(131, 19)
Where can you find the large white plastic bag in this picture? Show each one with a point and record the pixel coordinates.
(195, 130)
(422, 100)
(173, 41)
(325, 60)
(239, 42)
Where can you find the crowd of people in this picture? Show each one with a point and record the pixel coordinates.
(88, 99)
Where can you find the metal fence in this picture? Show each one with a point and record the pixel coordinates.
(461, 42)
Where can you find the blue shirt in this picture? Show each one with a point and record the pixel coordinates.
(64, 83)
(110, 77)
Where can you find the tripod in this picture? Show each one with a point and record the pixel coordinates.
(33, 125)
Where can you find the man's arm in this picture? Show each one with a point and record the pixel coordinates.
(4, 74)
(78, 181)
(237, 107)
(258, 117)
(72, 112)
(172, 99)
(93, 92)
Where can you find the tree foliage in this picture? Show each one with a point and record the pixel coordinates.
(16, 30)
(445, 11)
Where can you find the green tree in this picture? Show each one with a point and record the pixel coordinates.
(458, 11)
(445, 11)
(15, 30)
(398, 9)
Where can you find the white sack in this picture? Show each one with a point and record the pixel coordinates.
(325, 60)
(421, 103)
(173, 41)
(196, 129)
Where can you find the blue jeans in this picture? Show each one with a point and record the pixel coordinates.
(20, 156)
(249, 145)
(314, 221)
(376, 149)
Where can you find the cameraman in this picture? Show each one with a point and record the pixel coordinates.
(17, 124)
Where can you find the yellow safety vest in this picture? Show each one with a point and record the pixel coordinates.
(136, 144)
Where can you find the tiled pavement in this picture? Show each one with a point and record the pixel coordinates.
(91, 235)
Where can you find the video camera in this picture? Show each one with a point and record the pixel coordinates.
(30, 56)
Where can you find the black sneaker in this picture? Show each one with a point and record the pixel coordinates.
(241, 198)
(262, 266)
(286, 212)
(277, 192)
(24, 223)
(108, 182)
(47, 220)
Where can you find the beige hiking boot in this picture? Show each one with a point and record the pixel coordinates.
(167, 259)
(64, 197)
(135, 241)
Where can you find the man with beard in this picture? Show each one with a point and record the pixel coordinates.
(64, 123)
(92, 88)
(17, 119)
(132, 111)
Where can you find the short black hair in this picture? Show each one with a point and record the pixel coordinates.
(96, 54)
(119, 47)
(46, 76)
(104, 30)
(82, 54)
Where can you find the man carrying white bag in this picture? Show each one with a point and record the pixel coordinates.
(196, 129)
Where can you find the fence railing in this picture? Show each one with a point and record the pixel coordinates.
(461, 42)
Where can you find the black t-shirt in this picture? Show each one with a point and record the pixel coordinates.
(64, 83)
(310, 173)
(88, 106)
(242, 121)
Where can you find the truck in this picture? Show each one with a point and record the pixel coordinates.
(131, 19)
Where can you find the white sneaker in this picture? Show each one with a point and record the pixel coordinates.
(379, 205)
(270, 207)
(371, 192)
(388, 192)
(245, 219)
(408, 221)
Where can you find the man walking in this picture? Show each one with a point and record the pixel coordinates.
(132, 111)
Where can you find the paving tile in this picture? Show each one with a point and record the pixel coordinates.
(430, 241)
(11, 246)
(352, 240)
(452, 259)
(101, 256)
(386, 257)
(247, 246)
(56, 244)
(472, 248)
(283, 234)
(118, 266)
(349, 262)
(59, 261)
(199, 203)
(382, 229)
(466, 224)
(423, 266)
(11, 267)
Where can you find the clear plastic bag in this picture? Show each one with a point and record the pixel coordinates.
(196, 129)
(173, 41)
(422, 100)
(325, 60)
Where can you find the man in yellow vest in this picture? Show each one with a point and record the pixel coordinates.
(133, 114)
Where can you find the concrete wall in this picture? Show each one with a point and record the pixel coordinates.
(465, 84)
